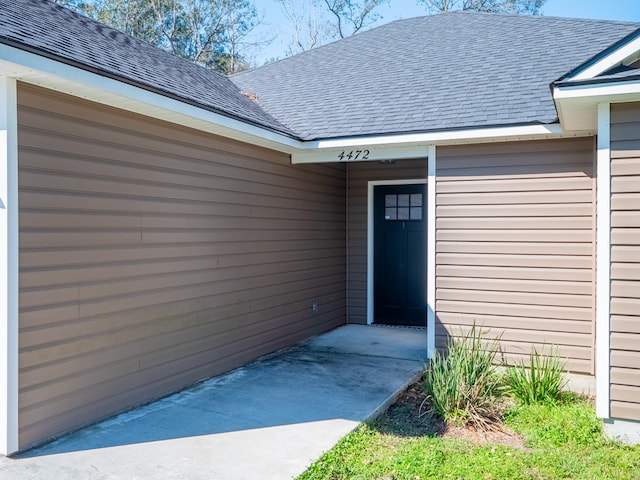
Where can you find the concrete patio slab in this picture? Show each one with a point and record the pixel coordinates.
(267, 420)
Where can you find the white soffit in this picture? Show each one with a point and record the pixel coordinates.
(577, 105)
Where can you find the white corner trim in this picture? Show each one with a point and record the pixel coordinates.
(8, 267)
(603, 261)
(431, 253)
(615, 58)
(370, 187)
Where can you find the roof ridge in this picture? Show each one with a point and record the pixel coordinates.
(537, 17)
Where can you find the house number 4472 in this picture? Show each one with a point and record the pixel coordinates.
(354, 155)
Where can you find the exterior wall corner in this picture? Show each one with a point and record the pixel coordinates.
(603, 260)
(8, 267)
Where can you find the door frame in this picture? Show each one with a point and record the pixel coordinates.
(370, 188)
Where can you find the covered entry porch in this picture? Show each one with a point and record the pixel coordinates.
(269, 419)
(509, 242)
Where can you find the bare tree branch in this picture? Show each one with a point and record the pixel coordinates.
(358, 14)
(521, 7)
(308, 24)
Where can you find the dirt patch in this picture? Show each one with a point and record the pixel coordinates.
(505, 436)
(411, 416)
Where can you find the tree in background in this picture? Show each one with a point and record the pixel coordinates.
(211, 33)
(217, 34)
(308, 24)
(351, 16)
(315, 22)
(240, 20)
(520, 7)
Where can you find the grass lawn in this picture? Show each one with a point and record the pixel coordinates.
(542, 442)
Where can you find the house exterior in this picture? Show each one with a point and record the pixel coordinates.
(161, 223)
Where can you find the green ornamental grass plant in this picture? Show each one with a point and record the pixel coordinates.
(541, 381)
(462, 384)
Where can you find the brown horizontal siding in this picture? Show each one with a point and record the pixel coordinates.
(625, 410)
(625, 261)
(153, 256)
(359, 175)
(515, 246)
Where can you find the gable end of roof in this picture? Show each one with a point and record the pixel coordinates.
(623, 52)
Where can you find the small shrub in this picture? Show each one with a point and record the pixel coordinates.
(462, 384)
(541, 381)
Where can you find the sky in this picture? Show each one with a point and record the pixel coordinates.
(275, 24)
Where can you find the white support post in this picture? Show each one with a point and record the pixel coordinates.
(8, 267)
(431, 252)
(603, 261)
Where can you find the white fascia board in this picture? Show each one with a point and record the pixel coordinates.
(48, 73)
(413, 145)
(614, 91)
(613, 59)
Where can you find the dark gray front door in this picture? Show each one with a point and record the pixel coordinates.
(399, 255)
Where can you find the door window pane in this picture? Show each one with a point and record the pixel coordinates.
(403, 206)
(390, 214)
(403, 213)
(390, 200)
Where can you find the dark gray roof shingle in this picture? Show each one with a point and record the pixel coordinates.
(48, 29)
(439, 72)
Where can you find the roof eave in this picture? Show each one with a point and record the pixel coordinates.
(416, 144)
(577, 103)
(49, 71)
(38, 69)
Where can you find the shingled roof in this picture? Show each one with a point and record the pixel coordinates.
(443, 72)
(49, 30)
(456, 70)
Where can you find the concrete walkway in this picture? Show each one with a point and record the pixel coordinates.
(267, 420)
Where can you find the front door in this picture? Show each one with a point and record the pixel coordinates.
(399, 255)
